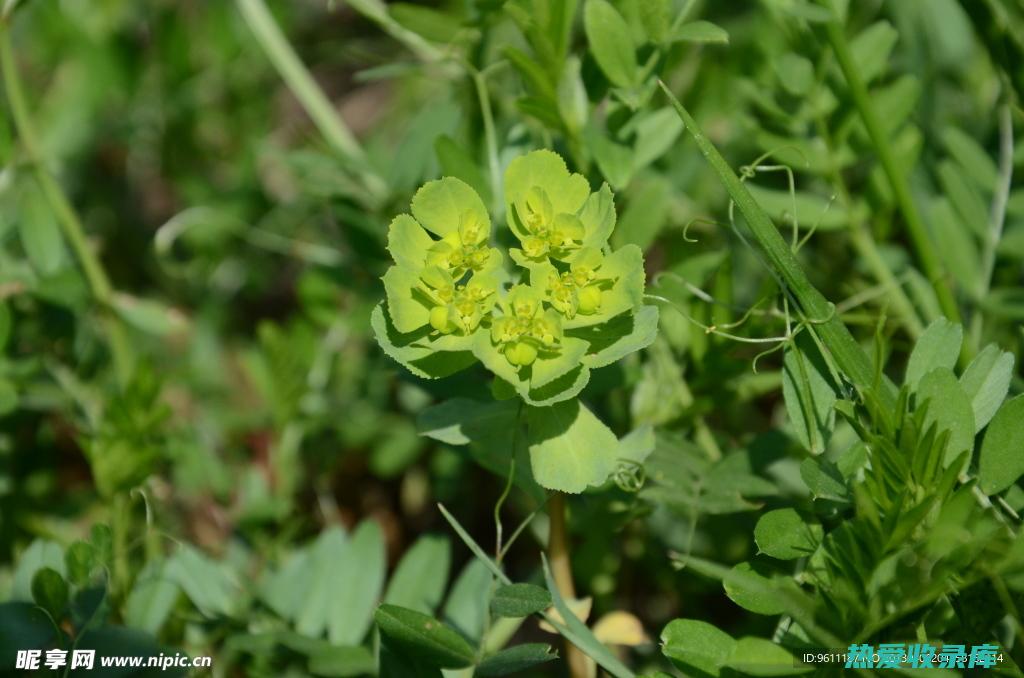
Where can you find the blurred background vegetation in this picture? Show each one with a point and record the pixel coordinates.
(252, 456)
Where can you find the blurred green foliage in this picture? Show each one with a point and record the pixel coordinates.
(203, 449)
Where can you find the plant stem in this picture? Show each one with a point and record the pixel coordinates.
(997, 217)
(120, 507)
(71, 226)
(561, 570)
(901, 190)
(304, 87)
(847, 353)
(491, 139)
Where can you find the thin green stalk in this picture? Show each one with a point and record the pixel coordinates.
(120, 508)
(845, 350)
(997, 217)
(491, 139)
(919, 236)
(300, 82)
(71, 226)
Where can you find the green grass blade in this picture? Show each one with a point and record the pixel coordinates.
(847, 353)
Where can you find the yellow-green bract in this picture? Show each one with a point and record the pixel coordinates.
(539, 318)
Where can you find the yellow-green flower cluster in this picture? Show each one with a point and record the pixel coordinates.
(451, 299)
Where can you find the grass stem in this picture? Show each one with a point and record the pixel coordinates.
(281, 54)
(70, 225)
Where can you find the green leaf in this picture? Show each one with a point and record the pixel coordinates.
(656, 133)
(520, 600)
(823, 479)
(701, 32)
(79, 561)
(752, 590)
(614, 159)
(421, 361)
(939, 346)
(986, 382)
(871, 49)
(949, 409)
(761, 657)
(577, 632)
(975, 161)
(959, 251)
(354, 585)
(697, 647)
(440, 205)
(656, 19)
(514, 659)
(204, 581)
(466, 607)
(795, 73)
(611, 42)
(617, 338)
(419, 581)
(964, 197)
(408, 242)
(570, 449)
(149, 315)
(40, 234)
(152, 599)
(423, 638)
(808, 393)
(545, 169)
(50, 592)
(785, 535)
(1001, 461)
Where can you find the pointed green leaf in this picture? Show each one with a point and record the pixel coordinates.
(40, 234)
(986, 381)
(515, 659)
(419, 581)
(520, 600)
(355, 584)
(939, 346)
(696, 646)
(949, 409)
(976, 162)
(808, 393)
(752, 590)
(1001, 461)
(761, 657)
(423, 638)
(611, 42)
(701, 32)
